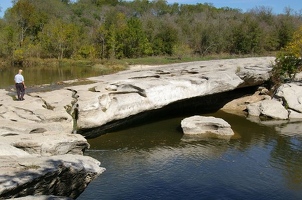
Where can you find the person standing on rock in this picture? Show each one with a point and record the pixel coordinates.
(20, 85)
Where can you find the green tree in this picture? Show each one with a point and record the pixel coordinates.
(135, 42)
(60, 39)
(246, 37)
(7, 40)
(28, 19)
(165, 40)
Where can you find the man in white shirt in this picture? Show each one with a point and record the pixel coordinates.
(20, 85)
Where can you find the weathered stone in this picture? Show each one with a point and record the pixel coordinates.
(244, 103)
(46, 144)
(253, 109)
(206, 125)
(273, 109)
(292, 94)
(269, 108)
(291, 107)
(137, 91)
(47, 175)
(38, 155)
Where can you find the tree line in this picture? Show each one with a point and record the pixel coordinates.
(116, 29)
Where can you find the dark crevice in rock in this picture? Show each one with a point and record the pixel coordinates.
(127, 89)
(47, 105)
(73, 110)
(128, 92)
(204, 77)
(38, 130)
(188, 72)
(9, 134)
(160, 72)
(27, 111)
(142, 77)
(183, 108)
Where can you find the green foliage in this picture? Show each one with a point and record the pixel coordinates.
(87, 52)
(289, 61)
(117, 29)
(286, 67)
(18, 55)
(246, 37)
(60, 39)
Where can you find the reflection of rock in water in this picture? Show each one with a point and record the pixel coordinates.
(204, 137)
(290, 129)
(284, 127)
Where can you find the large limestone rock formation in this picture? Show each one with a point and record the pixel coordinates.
(129, 93)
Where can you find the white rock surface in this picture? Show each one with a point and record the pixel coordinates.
(273, 109)
(137, 91)
(292, 94)
(206, 125)
(285, 104)
(36, 144)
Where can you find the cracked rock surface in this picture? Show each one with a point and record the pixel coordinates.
(38, 153)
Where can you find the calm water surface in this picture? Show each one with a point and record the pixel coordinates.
(46, 75)
(155, 161)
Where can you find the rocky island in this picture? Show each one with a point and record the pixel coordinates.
(43, 138)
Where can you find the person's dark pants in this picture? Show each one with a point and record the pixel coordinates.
(20, 91)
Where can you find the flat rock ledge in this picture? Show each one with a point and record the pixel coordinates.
(206, 126)
(39, 153)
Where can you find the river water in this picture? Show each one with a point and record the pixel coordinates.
(155, 161)
(36, 76)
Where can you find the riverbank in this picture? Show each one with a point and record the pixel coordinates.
(36, 134)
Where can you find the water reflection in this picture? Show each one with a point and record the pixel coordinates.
(153, 161)
(46, 75)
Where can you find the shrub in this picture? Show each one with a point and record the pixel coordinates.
(289, 61)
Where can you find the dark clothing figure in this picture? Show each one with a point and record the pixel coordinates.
(20, 91)
(20, 85)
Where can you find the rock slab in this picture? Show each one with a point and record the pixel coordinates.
(206, 125)
(128, 93)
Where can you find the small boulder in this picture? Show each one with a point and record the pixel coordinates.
(205, 125)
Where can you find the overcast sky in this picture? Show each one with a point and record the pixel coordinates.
(245, 5)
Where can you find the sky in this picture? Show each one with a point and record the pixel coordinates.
(245, 5)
